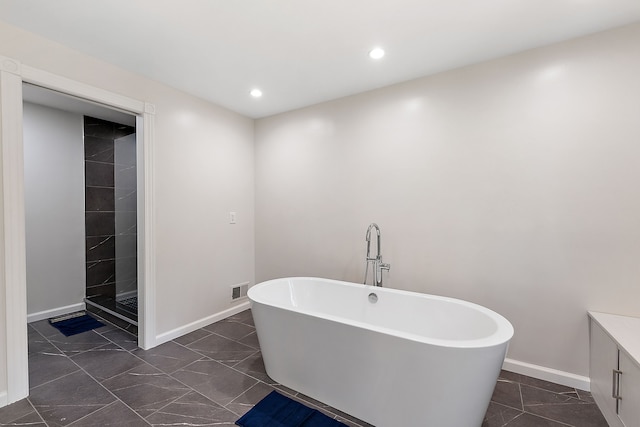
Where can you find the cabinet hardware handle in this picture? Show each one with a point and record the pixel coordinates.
(615, 393)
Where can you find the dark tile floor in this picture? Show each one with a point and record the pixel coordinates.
(211, 377)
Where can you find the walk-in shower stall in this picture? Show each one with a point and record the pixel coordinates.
(111, 217)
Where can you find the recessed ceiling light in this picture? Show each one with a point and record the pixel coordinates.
(376, 53)
(256, 93)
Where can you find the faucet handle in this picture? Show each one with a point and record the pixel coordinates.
(384, 266)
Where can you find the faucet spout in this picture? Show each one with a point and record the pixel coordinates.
(377, 264)
(373, 225)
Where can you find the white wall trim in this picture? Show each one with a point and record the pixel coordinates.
(13, 281)
(548, 374)
(183, 330)
(59, 311)
(80, 90)
(146, 227)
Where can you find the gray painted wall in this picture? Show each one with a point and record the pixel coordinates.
(512, 183)
(54, 205)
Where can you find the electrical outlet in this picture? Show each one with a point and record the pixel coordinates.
(232, 217)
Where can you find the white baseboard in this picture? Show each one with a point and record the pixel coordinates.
(47, 314)
(542, 373)
(3, 399)
(183, 330)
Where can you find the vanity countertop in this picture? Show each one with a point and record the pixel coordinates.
(624, 330)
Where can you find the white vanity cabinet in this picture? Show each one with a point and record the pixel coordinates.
(615, 367)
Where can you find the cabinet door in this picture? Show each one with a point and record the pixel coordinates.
(629, 410)
(604, 359)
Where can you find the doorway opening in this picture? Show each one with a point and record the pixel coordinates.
(14, 331)
(80, 197)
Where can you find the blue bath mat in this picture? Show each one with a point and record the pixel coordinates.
(75, 323)
(277, 410)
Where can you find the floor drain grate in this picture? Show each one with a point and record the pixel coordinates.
(130, 303)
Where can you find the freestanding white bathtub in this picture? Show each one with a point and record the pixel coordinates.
(408, 359)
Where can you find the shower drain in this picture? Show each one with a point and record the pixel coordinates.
(130, 303)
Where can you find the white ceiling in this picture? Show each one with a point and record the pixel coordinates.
(301, 52)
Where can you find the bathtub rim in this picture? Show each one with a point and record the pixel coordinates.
(501, 337)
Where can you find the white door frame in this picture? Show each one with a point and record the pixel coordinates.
(13, 285)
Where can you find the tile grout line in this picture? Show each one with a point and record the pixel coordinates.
(572, 396)
(170, 375)
(36, 411)
(203, 356)
(232, 367)
(322, 410)
(190, 389)
(117, 399)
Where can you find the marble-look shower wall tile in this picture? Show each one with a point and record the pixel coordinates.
(126, 274)
(126, 199)
(98, 149)
(101, 247)
(126, 245)
(97, 174)
(125, 286)
(100, 204)
(125, 150)
(99, 199)
(125, 176)
(120, 130)
(99, 128)
(99, 224)
(126, 223)
(106, 290)
(100, 272)
(110, 211)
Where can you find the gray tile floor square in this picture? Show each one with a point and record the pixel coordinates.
(212, 376)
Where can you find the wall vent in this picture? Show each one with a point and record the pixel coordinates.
(239, 291)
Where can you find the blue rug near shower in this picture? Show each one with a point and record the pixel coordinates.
(277, 410)
(75, 323)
